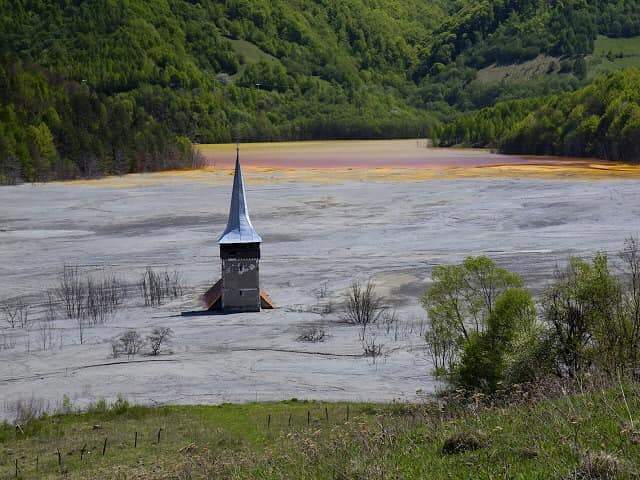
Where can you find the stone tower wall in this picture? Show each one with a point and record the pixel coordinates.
(240, 277)
(241, 285)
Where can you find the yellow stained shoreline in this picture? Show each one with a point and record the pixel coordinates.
(375, 161)
(264, 175)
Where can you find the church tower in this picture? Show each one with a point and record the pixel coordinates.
(240, 253)
(239, 288)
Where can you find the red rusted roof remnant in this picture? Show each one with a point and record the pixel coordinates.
(212, 298)
(265, 301)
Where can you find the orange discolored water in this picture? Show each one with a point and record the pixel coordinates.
(371, 161)
(412, 154)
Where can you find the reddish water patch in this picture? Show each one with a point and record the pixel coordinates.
(369, 154)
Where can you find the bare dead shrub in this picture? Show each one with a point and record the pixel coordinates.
(116, 349)
(156, 287)
(173, 284)
(70, 292)
(158, 337)
(16, 313)
(324, 305)
(81, 324)
(363, 305)
(441, 345)
(46, 324)
(28, 410)
(129, 343)
(322, 291)
(198, 160)
(151, 287)
(116, 289)
(88, 301)
(312, 335)
(9, 314)
(24, 320)
(370, 345)
(7, 342)
(103, 295)
(630, 257)
(96, 310)
(389, 320)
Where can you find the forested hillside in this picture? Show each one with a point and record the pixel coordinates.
(109, 86)
(601, 120)
(114, 86)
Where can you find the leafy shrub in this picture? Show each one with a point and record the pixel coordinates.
(120, 406)
(484, 358)
(474, 310)
(531, 356)
(581, 307)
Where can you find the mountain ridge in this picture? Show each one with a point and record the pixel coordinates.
(115, 86)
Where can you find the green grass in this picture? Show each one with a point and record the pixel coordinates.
(249, 53)
(548, 439)
(529, 70)
(625, 46)
(612, 54)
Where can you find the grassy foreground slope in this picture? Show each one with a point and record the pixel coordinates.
(584, 436)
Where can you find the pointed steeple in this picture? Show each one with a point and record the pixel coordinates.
(239, 228)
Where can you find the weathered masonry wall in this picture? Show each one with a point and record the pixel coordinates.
(240, 277)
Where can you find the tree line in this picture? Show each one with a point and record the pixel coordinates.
(601, 120)
(51, 128)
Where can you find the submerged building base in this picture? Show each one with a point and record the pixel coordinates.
(212, 301)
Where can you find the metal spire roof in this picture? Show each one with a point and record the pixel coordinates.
(239, 228)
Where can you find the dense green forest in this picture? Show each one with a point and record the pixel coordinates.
(601, 120)
(98, 87)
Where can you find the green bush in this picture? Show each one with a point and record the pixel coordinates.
(475, 310)
(590, 316)
(485, 355)
(530, 358)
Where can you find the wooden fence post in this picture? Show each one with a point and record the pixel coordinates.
(347, 412)
(159, 431)
(289, 419)
(269, 422)
(135, 440)
(16, 468)
(104, 446)
(326, 413)
(308, 418)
